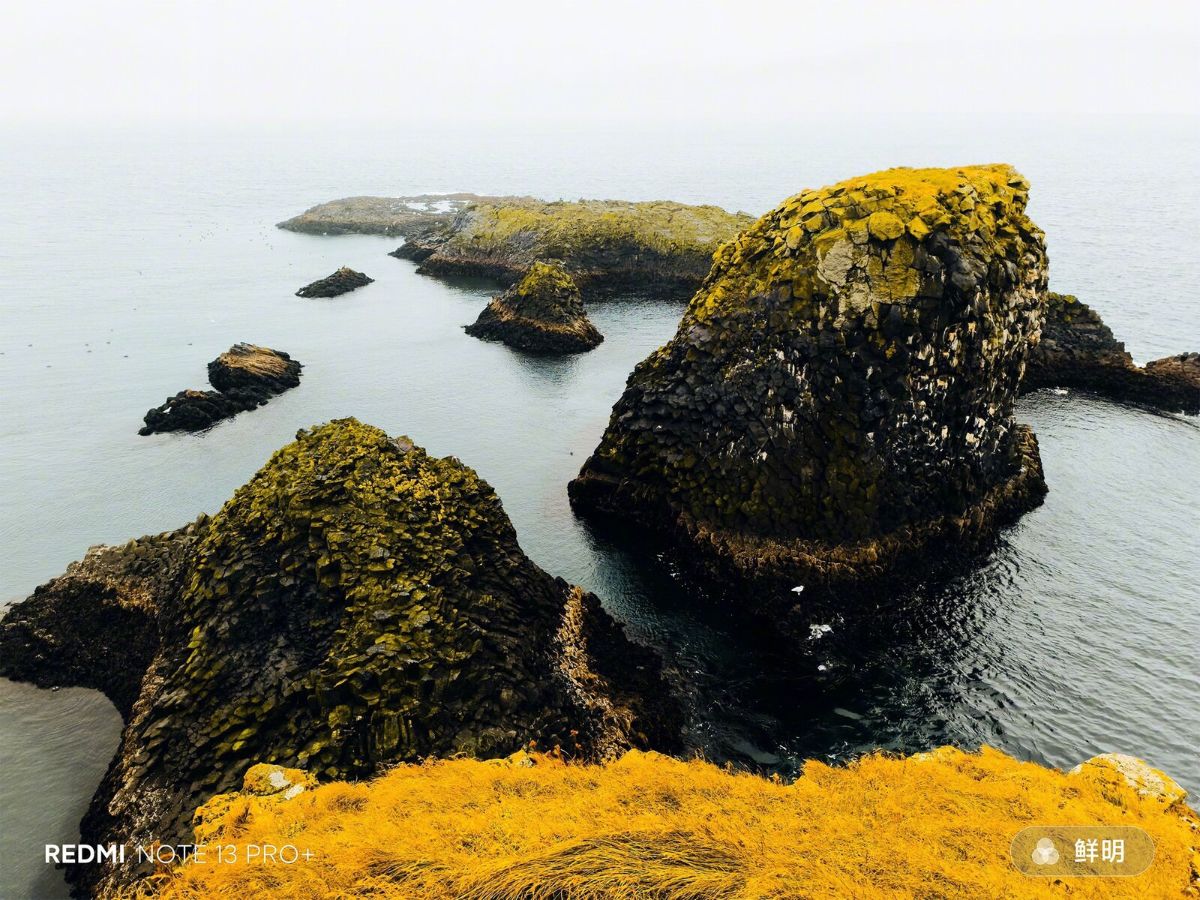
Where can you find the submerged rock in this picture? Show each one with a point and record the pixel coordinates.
(838, 399)
(245, 376)
(1077, 350)
(358, 602)
(542, 313)
(658, 247)
(340, 282)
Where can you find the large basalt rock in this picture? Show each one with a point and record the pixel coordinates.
(1077, 350)
(542, 313)
(343, 281)
(838, 399)
(245, 377)
(358, 602)
(658, 248)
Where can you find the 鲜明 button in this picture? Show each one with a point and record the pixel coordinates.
(1082, 851)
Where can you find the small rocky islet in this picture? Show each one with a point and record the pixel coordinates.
(245, 377)
(358, 602)
(343, 281)
(541, 313)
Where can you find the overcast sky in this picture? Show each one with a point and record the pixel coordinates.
(607, 61)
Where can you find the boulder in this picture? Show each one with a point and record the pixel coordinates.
(245, 376)
(340, 282)
(654, 248)
(1077, 350)
(357, 603)
(542, 313)
(837, 402)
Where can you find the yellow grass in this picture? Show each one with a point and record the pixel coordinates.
(534, 827)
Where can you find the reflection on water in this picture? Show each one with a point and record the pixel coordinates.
(1075, 635)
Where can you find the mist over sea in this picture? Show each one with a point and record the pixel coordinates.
(131, 258)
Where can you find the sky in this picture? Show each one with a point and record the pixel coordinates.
(325, 60)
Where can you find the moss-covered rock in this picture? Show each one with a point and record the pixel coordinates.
(357, 602)
(245, 377)
(541, 313)
(655, 247)
(839, 395)
(1077, 350)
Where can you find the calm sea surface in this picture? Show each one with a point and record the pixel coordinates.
(129, 260)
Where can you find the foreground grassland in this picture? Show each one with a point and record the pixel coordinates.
(532, 826)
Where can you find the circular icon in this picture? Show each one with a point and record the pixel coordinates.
(1045, 853)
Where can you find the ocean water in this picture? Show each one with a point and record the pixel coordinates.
(130, 259)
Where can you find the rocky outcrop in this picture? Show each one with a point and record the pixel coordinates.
(1077, 350)
(96, 625)
(542, 313)
(838, 399)
(245, 377)
(386, 215)
(658, 248)
(358, 602)
(343, 281)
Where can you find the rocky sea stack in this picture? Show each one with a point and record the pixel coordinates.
(1077, 350)
(839, 395)
(541, 313)
(245, 377)
(343, 281)
(659, 247)
(358, 602)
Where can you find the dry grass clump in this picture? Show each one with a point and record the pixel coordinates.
(536, 828)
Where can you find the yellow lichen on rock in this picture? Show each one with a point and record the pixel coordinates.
(986, 202)
(532, 826)
(266, 780)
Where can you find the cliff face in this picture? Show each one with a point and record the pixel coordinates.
(357, 602)
(839, 393)
(541, 313)
(606, 245)
(96, 625)
(649, 826)
(1077, 350)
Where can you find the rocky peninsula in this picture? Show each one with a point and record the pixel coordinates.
(357, 603)
(386, 215)
(343, 281)
(838, 399)
(535, 825)
(1077, 350)
(245, 376)
(608, 246)
(541, 313)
